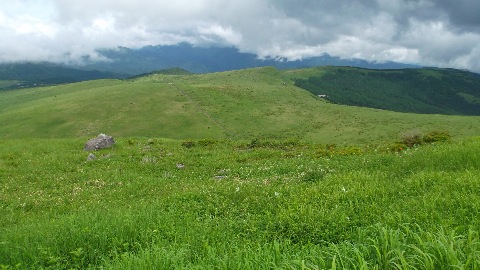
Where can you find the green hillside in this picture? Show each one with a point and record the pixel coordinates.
(428, 90)
(243, 104)
(232, 170)
(22, 75)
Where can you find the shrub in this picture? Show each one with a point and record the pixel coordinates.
(313, 176)
(207, 142)
(415, 138)
(131, 142)
(188, 143)
(412, 138)
(152, 141)
(436, 136)
(397, 147)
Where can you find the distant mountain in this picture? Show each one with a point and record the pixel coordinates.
(18, 75)
(125, 62)
(211, 59)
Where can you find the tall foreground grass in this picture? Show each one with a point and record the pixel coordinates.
(165, 204)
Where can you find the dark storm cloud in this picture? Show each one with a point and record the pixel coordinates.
(462, 14)
(427, 32)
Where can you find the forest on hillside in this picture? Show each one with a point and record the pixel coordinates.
(432, 91)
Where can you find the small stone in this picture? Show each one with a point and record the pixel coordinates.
(107, 156)
(149, 160)
(91, 157)
(180, 165)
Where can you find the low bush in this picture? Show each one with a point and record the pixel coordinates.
(436, 136)
(416, 138)
(188, 143)
(412, 138)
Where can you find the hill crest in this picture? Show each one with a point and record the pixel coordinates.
(239, 105)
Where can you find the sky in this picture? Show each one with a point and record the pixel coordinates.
(442, 33)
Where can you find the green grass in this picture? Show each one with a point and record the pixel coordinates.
(232, 170)
(238, 204)
(244, 104)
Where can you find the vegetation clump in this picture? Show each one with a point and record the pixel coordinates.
(416, 138)
(436, 136)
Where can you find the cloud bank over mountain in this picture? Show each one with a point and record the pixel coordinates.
(425, 32)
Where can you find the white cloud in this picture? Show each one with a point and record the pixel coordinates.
(414, 31)
(213, 33)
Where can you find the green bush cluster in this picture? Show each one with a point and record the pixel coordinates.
(416, 138)
(436, 136)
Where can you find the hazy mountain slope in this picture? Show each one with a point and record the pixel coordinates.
(444, 91)
(123, 62)
(31, 74)
(244, 104)
(210, 59)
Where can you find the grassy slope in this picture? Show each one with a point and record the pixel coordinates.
(30, 74)
(444, 91)
(288, 205)
(232, 207)
(110, 106)
(244, 104)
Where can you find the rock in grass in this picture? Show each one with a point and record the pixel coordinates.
(91, 157)
(100, 142)
(180, 165)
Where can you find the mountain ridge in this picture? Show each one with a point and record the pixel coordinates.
(29, 74)
(211, 59)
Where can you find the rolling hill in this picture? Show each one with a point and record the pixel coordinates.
(22, 75)
(241, 104)
(426, 90)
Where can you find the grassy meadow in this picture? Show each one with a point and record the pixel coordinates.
(206, 204)
(232, 170)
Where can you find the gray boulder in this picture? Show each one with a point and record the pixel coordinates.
(100, 142)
